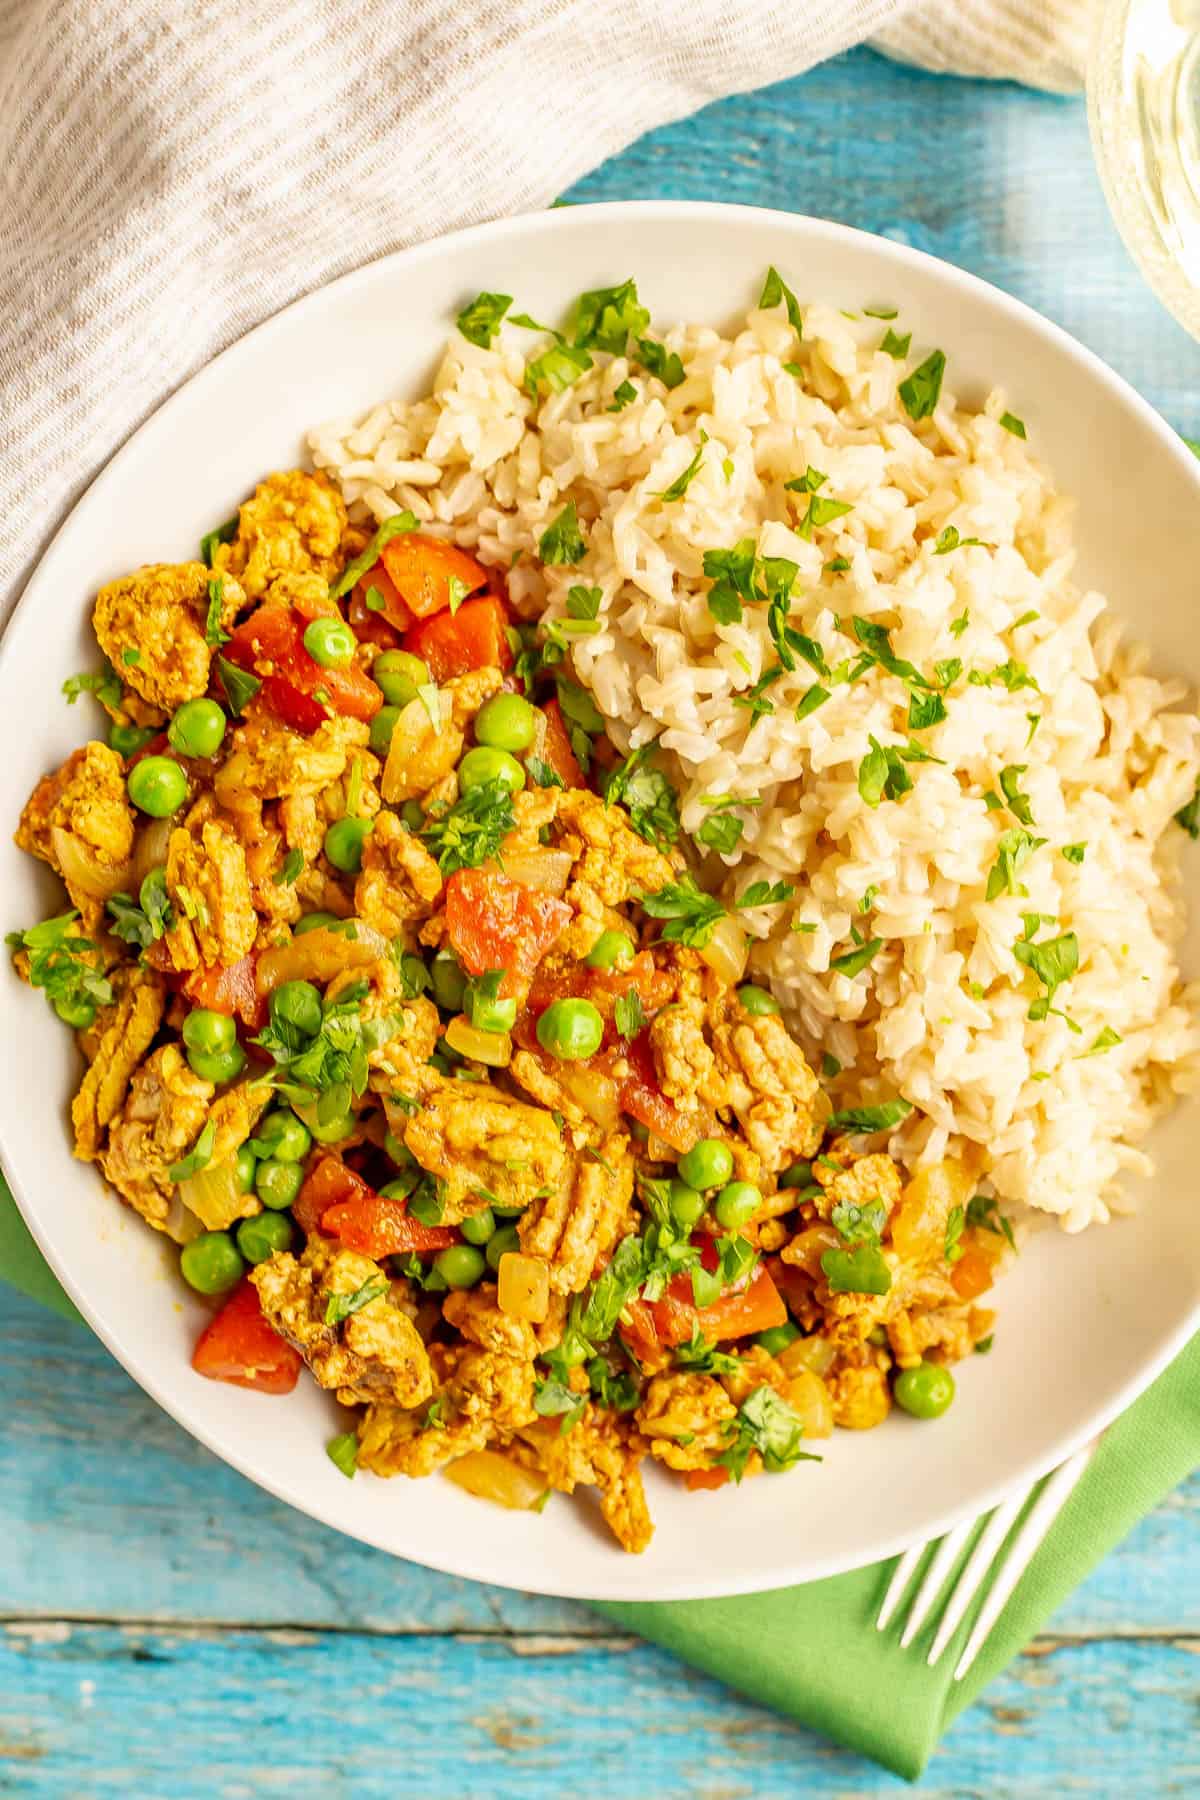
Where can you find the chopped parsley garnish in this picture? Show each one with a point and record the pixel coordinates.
(342, 1306)
(224, 534)
(617, 1390)
(375, 600)
(959, 625)
(855, 961)
(830, 1067)
(767, 1424)
(920, 392)
(859, 1224)
(952, 1248)
(683, 480)
(861, 1270)
(702, 1358)
(291, 868)
(557, 368)
(622, 396)
(1018, 803)
(983, 1213)
(480, 321)
(399, 525)
(691, 915)
(581, 718)
(472, 830)
(628, 1014)
(948, 540)
(239, 685)
(985, 1343)
(877, 643)
(562, 542)
(821, 511)
(1011, 674)
(647, 796)
(766, 893)
(925, 711)
(1026, 618)
(880, 312)
(1012, 852)
(732, 574)
(882, 774)
(457, 591)
(1074, 853)
(1105, 1040)
(1189, 816)
(661, 362)
(606, 318)
(143, 923)
(1053, 962)
(721, 831)
(131, 657)
(214, 633)
(815, 697)
(330, 1067)
(1011, 423)
(777, 292)
(60, 964)
(541, 774)
(342, 1452)
(754, 700)
(106, 686)
(894, 345)
(198, 1157)
(583, 616)
(884, 1117)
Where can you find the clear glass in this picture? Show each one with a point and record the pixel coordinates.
(1144, 111)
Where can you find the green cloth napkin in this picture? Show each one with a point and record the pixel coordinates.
(813, 1652)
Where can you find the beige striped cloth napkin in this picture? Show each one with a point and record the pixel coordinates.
(170, 174)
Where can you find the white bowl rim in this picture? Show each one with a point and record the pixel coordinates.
(625, 1584)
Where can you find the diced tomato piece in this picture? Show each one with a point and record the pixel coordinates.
(794, 1286)
(758, 1307)
(645, 1101)
(271, 645)
(637, 1330)
(394, 612)
(379, 1226)
(239, 1346)
(495, 923)
(700, 1479)
(421, 569)
(154, 747)
(556, 751)
(232, 991)
(973, 1274)
(328, 1183)
(472, 638)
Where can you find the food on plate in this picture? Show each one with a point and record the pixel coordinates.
(405, 1016)
(840, 603)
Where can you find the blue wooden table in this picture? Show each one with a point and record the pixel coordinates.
(168, 1631)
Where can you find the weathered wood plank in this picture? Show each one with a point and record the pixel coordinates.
(94, 1472)
(157, 1713)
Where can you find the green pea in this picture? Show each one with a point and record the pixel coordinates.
(210, 1033)
(799, 1175)
(127, 740)
(611, 950)
(263, 1235)
(398, 1150)
(297, 1004)
(78, 1014)
(382, 727)
(483, 767)
(502, 1243)
(315, 921)
(460, 1266)
(506, 722)
(286, 1139)
(708, 1164)
(211, 1263)
(278, 1183)
(449, 981)
(757, 1000)
(686, 1204)
(332, 1131)
(412, 815)
(736, 1204)
(926, 1391)
(330, 642)
(570, 1030)
(344, 843)
(218, 1066)
(479, 1227)
(157, 785)
(246, 1168)
(197, 728)
(778, 1337)
(399, 674)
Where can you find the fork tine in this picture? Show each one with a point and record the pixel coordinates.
(1045, 1510)
(948, 1552)
(981, 1559)
(905, 1569)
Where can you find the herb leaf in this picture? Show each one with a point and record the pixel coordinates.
(861, 1270)
(342, 1306)
(471, 830)
(562, 541)
(606, 318)
(692, 915)
(223, 534)
(920, 392)
(647, 795)
(766, 1423)
(480, 321)
(399, 525)
(883, 1117)
(198, 1157)
(776, 291)
(855, 961)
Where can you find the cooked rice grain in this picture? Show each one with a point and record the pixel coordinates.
(941, 1014)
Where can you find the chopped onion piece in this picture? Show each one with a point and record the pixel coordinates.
(81, 868)
(215, 1198)
(597, 1094)
(321, 954)
(490, 1476)
(150, 851)
(523, 1287)
(547, 871)
(491, 1047)
(726, 951)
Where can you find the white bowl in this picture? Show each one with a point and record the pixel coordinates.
(1085, 1323)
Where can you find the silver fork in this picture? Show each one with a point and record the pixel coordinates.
(993, 1557)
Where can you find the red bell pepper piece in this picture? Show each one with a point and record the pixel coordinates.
(271, 645)
(230, 990)
(238, 1345)
(645, 1101)
(700, 1479)
(556, 751)
(472, 638)
(421, 569)
(493, 922)
(379, 1226)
